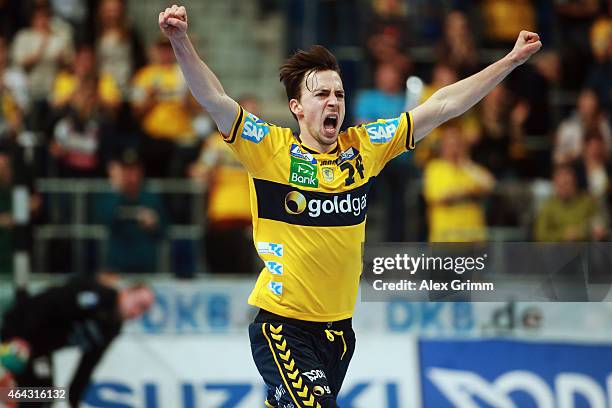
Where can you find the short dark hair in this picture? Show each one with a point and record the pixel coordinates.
(316, 58)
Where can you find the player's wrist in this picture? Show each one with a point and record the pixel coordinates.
(178, 38)
(512, 59)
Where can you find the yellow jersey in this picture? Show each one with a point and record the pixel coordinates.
(228, 191)
(66, 84)
(168, 118)
(462, 221)
(309, 211)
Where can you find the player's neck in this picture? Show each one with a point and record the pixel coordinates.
(313, 144)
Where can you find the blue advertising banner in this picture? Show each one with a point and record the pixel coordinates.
(508, 374)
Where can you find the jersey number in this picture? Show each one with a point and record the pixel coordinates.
(350, 178)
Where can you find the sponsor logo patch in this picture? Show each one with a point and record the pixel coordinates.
(382, 131)
(275, 268)
(276, 288)
(347, 155)
(303, 173)
(293, 205)
(270, 248)
(254, 129)
(296, 203)
(296, 152)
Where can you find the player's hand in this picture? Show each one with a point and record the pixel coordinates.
(173, 22)
(526, 45)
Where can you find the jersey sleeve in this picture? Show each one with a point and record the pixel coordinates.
(255, 142)
(389, 138)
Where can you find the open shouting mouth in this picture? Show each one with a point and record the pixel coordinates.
(330, 124)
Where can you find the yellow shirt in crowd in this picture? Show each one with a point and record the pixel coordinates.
(506, 18)
(66, 83)
(462, 221)
(228, 191)
(168, 118)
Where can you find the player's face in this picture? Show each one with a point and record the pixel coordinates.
(321, 108)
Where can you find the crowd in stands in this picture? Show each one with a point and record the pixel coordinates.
(522, 131)
(102, 104)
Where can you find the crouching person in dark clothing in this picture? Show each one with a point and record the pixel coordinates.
(84, 313)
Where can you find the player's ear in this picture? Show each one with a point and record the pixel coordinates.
(296, 107)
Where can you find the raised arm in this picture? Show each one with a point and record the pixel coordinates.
(202, 82)
(453, 100)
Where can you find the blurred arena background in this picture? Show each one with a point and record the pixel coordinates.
(93, 110)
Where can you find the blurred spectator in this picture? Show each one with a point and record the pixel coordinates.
(569, 143)
(13, 79)
(457, 48)
(600, 75)
(164, 106)
(500, 145)
(453, 187)
(443, 75)
(504, 19)
(570, 214)
(387, 37)
(77, 14)
(136, 220)
(593, 170)
(228, 236)
(59, 25)
(84, 66)
(118, 46)
(533, 84)
(117, 135)
(6, 215)
(76, 140)
(574, 19)
(10, 112)
(387, 100)
(41, 50)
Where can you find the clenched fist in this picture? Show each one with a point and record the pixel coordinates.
(173, 22)
(527, 44)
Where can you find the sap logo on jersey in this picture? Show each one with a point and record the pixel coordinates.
(382, 131)
(254, 129)
(296, 203)
(275, 268)
(468, 389)
(269, 248)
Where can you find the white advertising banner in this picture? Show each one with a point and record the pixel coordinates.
(217, 371)
(219, 306)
